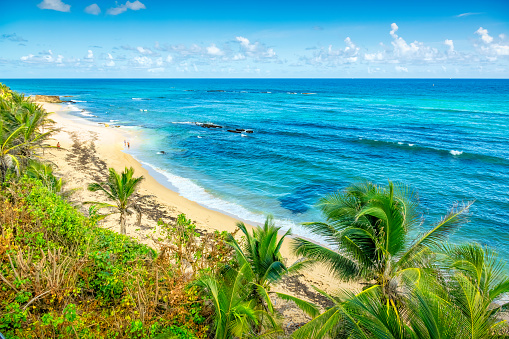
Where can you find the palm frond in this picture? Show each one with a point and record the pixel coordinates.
(308, 307)
(437, 234)
(338, 264)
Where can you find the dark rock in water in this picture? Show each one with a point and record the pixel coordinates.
(240, 129)
(48, 98)
(216, 90)
(162, 152)
(208, 125)
(249, 131)
(234, 131)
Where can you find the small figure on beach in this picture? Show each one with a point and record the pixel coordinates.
(125, 143)
(58, 144)
(128, 145)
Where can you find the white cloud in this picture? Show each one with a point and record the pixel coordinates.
(159, 61)
(143, 50)
(89, 57)
(486, 38)
(378, 56)
(143, 61)
(43, 58)
(467, 14)
(214, 50)
(110, 62)
(333, 57)
(56, 5)
(394, 29)
(135, 6)
(401, 69)
(239, 56)
(450, 44)
(255, 50)
(489, 48)
(93, 9)
(169, 59)
(27, 57)
(411, 52)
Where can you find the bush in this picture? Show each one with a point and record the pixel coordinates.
(62, 276)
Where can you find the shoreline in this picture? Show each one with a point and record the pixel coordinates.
(88, 149)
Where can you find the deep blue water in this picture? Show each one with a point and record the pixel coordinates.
(449, 139)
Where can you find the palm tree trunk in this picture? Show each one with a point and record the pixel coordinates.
(138, 211)
(3, 168)
(122, 222)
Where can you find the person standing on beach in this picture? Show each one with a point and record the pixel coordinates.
(124, 143)
(128, 145)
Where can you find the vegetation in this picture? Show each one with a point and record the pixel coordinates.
(65, 277)
(62, 276)
(119, 188)
(369, 225)
(22, 125)
(414, 289)
(463, 300)
(240, 293)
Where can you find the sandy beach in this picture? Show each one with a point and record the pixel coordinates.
(87, 151)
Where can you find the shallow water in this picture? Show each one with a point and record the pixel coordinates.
(447, 138)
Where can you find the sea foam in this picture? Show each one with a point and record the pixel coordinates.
(190, 190)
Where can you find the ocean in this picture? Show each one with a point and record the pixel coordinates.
(447, 138)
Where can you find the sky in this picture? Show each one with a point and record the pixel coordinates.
(254, 39)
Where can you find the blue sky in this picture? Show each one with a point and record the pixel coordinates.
(229, 39)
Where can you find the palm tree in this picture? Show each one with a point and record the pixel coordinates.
(479, 287)
(261, 250)
(21, 130)
(9, 157)
(44, 172)
(119, 188)
(366, 235)
(463, 301)
(261, 253)
(235, 313)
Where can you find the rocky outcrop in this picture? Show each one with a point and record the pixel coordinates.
(208, 125)
(48, 98)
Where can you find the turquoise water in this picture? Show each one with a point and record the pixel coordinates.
(447, 138)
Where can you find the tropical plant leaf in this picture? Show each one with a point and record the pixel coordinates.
(306, 306)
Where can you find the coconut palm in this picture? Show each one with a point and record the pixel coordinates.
(5, 92)
(9, 155)
(367, 235)
(234, 311)
(21, 127)
(479, 287)
(44, 172)
(463, 301)
(119, 188)
(260, 252)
